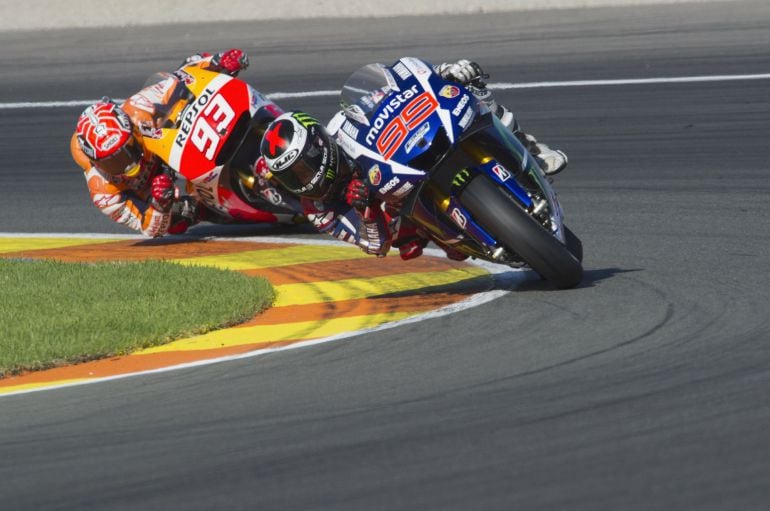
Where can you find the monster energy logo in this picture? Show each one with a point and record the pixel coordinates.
(304, 119)
(461, 177)
(331, 170)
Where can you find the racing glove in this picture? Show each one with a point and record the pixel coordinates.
(162, 192)
(231, 61)
(464, 72)
(357, 194)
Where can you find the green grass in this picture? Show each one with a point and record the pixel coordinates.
(53, 313)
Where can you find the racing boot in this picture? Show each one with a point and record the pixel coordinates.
(411, 249)
(470, 74)
(451, 253)
(406, 238)
(454, 255)
(551, 161)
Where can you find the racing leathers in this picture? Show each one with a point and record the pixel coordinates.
(137, 201)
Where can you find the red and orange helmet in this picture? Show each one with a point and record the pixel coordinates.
(105, 134)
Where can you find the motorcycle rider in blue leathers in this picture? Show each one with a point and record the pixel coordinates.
(304, 158)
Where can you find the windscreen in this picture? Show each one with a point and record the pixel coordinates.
(365, 89)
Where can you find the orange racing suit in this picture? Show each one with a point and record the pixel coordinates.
(128, 200)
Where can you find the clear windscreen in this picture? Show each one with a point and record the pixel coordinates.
(365, 89)
(170, 91)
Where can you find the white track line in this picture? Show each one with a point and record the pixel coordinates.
(508, 277)
(629, 81)
(496, 86)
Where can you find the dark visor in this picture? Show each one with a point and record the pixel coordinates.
(306, 176)
(125, 161)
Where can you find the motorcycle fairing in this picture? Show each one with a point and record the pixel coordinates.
(397, 116)
(204, 132)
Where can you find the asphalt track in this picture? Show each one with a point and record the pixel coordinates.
(645, 388)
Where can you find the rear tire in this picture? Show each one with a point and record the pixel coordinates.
(504, 219)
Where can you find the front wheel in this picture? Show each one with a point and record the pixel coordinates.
(574, 245)
(504, 219)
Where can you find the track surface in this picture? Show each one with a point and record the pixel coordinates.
(646, 388)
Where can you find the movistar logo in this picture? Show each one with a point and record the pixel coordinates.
(304, 119)
(389, 110)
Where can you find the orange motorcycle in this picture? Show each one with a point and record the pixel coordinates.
(210, 135)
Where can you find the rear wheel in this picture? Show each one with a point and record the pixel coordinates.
(497, 212)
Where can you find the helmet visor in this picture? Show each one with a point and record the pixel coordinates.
(312, 175)
(125, 162)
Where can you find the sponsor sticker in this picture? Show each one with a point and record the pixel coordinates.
(388, 112)
(317, 177)
(272, 195)
(390, 185)
(142, 103)
(350, 130)
(501, 172)
(463, 123)
(459, 218)
(460, 105)
(403, 191)
(449, 91)
(285, 160)
(402, 71)
(375, 176)
(356, 113)
(184, 76)
(418, 135)
(417, 66)
(214, 174)
(110, 142)
(149, 131)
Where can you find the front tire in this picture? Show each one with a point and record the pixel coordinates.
(574, 245)
(498, 214)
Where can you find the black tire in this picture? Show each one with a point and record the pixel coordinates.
(504, 219)
(574, 245)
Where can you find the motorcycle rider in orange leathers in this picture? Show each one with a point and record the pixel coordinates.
(126, 181)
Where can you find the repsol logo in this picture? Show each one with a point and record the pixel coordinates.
(387, 112)
(189, 115)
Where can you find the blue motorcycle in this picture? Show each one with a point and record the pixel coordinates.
(433, 151)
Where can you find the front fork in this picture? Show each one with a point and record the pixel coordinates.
(543, 207)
